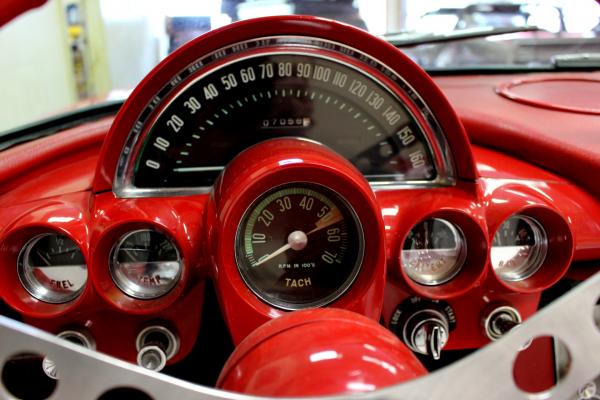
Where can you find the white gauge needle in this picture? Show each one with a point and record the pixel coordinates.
(282, 249)
(44, 259)
(297, 240)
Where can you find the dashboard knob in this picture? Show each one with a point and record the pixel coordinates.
(152, 357)
(156, 345)
(498, 320)
(423, 325)
(426, 332)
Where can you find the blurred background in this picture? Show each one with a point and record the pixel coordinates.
(69, 53)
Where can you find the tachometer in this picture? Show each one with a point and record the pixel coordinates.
(299, 245)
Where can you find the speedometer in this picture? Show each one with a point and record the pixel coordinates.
(280, 87)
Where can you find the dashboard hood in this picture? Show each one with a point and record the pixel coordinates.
(11, 9)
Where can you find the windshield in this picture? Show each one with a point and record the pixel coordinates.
(70, 54)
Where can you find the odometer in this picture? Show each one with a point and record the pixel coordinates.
(279, 87)
(299, 245)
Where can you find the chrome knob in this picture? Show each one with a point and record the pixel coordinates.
(156, 345)
(426, 332)
(152, 357)
(499, 320)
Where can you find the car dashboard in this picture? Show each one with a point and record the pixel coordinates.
(290, 197)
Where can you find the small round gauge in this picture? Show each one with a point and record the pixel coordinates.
(145, 264)
(433, 252)
(299, 246)
(52, 268)
(519, 248)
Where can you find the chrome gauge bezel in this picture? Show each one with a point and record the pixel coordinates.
(288, 306)
(32, 285)
(461, 246)
(533, 264)
(294, 45)
(130, 288)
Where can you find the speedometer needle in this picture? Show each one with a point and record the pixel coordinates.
(297, 240)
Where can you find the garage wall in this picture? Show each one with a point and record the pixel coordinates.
(36, 76)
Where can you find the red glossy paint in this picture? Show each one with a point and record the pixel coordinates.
(549, 93)
(562, 142)
(45, 167)
(255, 171)
(295, 356)
(539, 161)
(10, 9)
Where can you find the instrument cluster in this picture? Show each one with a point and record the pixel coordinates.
(294, 163)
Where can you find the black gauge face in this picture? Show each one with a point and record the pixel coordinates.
(52, 268)
(145, 264)
(519, 248)
(515, 231)
(433, 252)
(268, 96)
(299, 246)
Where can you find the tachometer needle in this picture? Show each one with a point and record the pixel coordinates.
(297, 240)
(277, 252)
(332, 217)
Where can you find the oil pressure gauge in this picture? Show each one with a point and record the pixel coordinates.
(145, 264)
(52, 268)
(434, 252)
(299, 245)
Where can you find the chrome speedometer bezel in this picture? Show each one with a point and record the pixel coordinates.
(296, 45)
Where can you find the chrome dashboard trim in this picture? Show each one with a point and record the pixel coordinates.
(487, 373)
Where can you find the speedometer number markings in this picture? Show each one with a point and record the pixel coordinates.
(217, 114)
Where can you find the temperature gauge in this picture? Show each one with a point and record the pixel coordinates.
(52, 269)
(145, 264)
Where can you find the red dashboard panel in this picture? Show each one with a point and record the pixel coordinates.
(561, 141)
(522, 164)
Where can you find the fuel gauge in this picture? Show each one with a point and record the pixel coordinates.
(52, 268)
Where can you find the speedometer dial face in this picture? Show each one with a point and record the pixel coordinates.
(207, 119)
(299, 245)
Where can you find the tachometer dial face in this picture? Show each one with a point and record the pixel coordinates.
(209, 118)
(434, 252)
(145, 264)
(519, 248)
(52, 268)
(299, 245)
